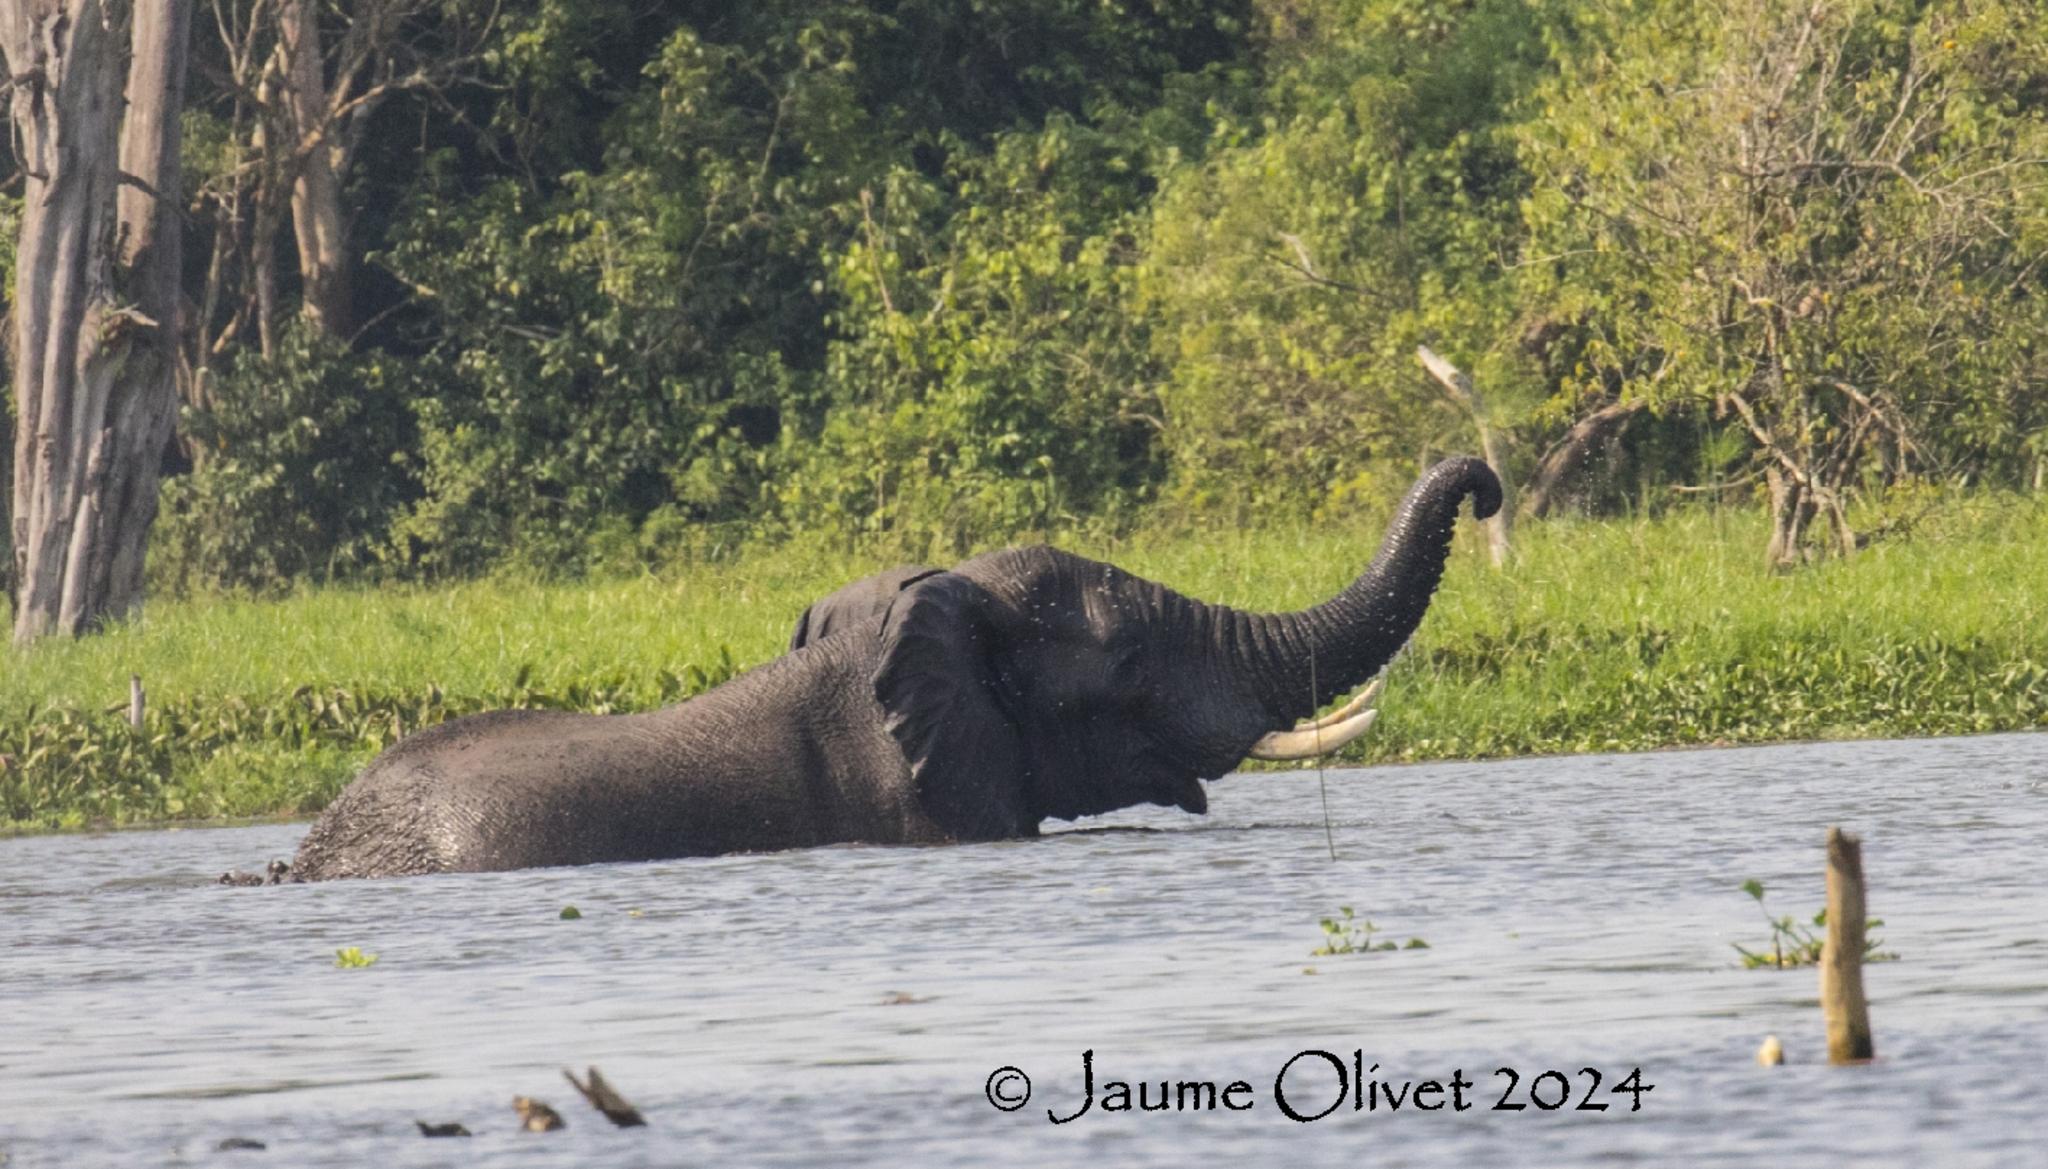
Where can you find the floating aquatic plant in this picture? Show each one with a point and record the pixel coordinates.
(353, 958)
(1349, 934)
(1794, 943)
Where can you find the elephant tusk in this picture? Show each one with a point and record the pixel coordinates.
(1364, 699)
(1309, 742)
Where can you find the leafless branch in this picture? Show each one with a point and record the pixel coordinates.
(1305, 266)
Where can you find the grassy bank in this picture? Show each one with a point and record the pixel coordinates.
(1615, 635)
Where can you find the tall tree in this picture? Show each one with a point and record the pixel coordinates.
(96, 297)
(1819, 219)
(318, 221)
(296, 86)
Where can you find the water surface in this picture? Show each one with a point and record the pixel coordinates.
(848, 1005)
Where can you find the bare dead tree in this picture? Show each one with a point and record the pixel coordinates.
(96, 297)
(1461, 390)
(321, 154)
(306, 81)
(1818, 250)
(1805, 160)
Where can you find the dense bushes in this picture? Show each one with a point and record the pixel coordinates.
(1360, 205)
(936, 273)
(990, 379)
(298, 464)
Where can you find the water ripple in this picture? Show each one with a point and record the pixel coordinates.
(848, 1003)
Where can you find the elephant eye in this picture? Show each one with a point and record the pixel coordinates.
(1127, 670)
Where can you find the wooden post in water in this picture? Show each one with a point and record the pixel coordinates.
(1841, 956)
(135, 701)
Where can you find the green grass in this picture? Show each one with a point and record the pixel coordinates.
(1603, 635)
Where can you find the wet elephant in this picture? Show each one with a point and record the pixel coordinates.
(857, 604)
(1019, 686)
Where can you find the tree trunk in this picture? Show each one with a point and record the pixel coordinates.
(1565, 461)
(1792, 509)
(95, 299)
(318, 224)
(1459, 385)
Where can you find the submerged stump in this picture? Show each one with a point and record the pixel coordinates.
(1841, 957)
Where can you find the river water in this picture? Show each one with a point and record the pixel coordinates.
(850, 1005)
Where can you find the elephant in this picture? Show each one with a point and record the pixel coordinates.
(856, 604)
(966, 705)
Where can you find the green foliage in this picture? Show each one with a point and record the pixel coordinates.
(654, 332)
(1794, 944)
(640, 284)
(1815, 220)
(1600, 640)
(1345, 934)
(353, 958)
(296, 469)
(993, 379)
(1359, 208)
(631, 341)
(10, 238)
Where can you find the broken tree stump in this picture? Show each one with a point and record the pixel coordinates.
(1841, 957)
(1458, 386)
(606, 1099)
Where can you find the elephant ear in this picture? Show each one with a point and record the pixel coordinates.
(802, 636)
(861, 603)
(940, 705)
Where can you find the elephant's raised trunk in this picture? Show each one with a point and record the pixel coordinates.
(1350, 637)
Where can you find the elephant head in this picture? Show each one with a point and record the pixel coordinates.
(1080, 688)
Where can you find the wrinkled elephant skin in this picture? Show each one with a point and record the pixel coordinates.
(922, 706)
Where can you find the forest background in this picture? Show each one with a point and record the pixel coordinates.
(544, 290)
